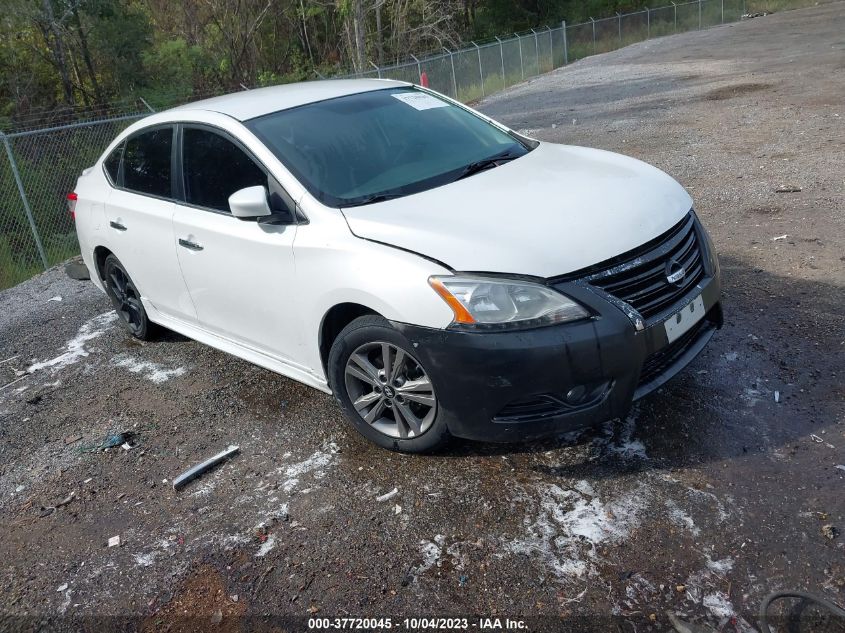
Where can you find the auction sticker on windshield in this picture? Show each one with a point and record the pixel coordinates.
(419, 100)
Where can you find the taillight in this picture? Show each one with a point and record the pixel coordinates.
(71, 204)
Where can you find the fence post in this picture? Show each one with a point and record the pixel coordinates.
(536, 50)
(594, 35)
(723, 11)
(419, 67)
(502, 55)
(454, 77)
(551, 50)
(647, 23)
(521, 65)
(699, 15)
(619, 17)
(743, 7)
(675, 6)
(565, 45)
(480, 71)
(25, 202)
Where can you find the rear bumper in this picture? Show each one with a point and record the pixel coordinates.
(513, 386)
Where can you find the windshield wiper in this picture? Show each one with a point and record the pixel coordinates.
(487, 163)
(376, 197)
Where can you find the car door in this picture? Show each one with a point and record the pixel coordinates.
(139, 217)
(240, 273)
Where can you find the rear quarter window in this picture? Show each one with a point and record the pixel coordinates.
(112, 164)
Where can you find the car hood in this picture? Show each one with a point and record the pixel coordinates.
(553, 211)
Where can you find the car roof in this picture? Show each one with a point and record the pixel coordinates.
(249, 104)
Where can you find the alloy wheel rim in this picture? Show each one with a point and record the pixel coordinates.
(390, 390)
(127, 301)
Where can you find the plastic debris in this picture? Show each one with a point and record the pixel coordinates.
(830, 531)
(388, 495)
(788, 189)
(114, 541)
(682, 626)
(777, 396)
(397, 509)
(192, 473)
(57, 298)
(840, 466)
(62, 587)
(126, 446)
(816, 439)
(780, 237)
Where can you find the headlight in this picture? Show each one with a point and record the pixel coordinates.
(499, 304)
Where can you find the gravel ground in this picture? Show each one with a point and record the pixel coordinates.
(723, 486)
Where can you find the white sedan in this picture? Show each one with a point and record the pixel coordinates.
(437, 272)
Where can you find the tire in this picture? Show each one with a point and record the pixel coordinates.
(126, 299)
(399, 411)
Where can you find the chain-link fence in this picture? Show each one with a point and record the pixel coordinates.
(41, 166)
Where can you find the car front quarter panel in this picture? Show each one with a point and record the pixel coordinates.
(334, 267)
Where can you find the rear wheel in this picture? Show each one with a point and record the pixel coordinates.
(126, 299)
(384, 389)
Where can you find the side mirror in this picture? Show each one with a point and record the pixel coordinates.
(250, 203)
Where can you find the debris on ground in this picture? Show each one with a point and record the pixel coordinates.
(72, 439)
(788, 189)
(114, 541)
(816, 439)
(682, 626)
(192, 473)
(388, 495)
(749, 16)
(397, 509)
(62, 587)
(777, 396)
(830, 531)
(76, 269)
(48, 510)
(840, 466)
(780, 237)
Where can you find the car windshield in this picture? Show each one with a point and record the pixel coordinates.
(373, 146)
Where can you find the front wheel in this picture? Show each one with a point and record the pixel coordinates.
(383, 388)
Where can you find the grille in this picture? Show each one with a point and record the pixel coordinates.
(663, 358)
(639, 277)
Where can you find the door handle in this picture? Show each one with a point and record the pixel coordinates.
(191, 246)
(117, 225)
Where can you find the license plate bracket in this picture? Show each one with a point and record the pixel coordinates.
(684, 319)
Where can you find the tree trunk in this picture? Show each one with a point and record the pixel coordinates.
(379, 41)
(359, 26)
(86, 56)
(58, 50)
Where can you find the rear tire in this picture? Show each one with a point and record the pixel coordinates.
(126, 299)
(383, 388)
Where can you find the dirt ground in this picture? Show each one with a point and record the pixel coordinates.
(723, 486)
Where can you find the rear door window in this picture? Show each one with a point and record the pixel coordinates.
(146, 162)
(214, 168)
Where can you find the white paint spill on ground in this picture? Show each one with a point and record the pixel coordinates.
(720, 567)
(151, 371)
(266, 546)
(573, 522)
(679, 517)
(315, 464)
(75, 349)
(144, 560)
(623, 443)
(719, 605)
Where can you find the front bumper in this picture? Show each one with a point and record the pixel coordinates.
(514, 386)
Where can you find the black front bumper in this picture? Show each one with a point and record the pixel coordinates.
(513, 386)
